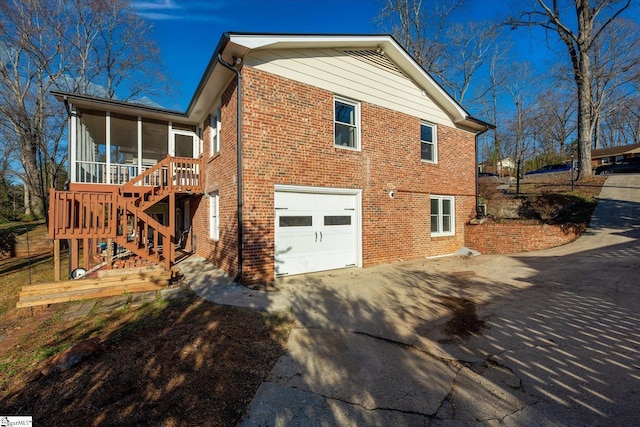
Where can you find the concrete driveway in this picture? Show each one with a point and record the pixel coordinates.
(547, 338)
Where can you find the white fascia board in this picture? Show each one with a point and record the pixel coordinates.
(392, 49)
(285, 41)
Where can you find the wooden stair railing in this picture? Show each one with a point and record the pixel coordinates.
(170, 175)
(74, 215)
(144, 235)
(119, 214)
(179, 174)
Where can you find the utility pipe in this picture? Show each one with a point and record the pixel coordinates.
(234, 67)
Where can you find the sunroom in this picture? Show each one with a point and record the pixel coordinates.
(133, 171)
(110, 142)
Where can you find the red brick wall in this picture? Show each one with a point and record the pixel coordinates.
(289, 140)
(516, 236)
(221, 176)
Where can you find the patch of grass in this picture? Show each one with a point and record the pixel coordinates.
(12, 281)
(47, 351)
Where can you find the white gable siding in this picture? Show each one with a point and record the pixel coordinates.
(345, 75)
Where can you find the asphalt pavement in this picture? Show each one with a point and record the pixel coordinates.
(546, 338)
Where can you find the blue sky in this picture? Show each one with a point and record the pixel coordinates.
(187, 31)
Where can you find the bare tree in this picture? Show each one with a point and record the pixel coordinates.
(28, 69)
(113, 49)
(421, 29)
(491, 99)
(95, 47)
(621, 126)
(470, 46)
(556, 109)
(521, 85)
(616, 66)
(591, 20)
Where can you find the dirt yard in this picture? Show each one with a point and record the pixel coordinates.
(180, 363)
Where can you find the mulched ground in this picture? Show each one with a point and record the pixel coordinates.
(185, 363)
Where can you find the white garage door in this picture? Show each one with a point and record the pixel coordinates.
(315, 231)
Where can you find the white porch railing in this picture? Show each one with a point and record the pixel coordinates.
(96, 172)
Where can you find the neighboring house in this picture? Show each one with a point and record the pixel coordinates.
(506, 166)
(350, 155)
(605, 156)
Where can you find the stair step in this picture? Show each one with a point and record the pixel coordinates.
(60, 297)
(74, 290)
(94, 283)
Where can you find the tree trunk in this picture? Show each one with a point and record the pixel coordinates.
(27, 201)
(585, 133)
(32, 180)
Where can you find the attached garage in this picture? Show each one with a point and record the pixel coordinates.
(316, 229)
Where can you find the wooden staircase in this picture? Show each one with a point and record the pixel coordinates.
(119, 212)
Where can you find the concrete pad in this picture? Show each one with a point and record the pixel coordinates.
(141, 298)
(280, 406)
(560, 342)
(112, 303)
(213, 284)
(79, 309)
(476, 397)
(364, 371)
(171, 294)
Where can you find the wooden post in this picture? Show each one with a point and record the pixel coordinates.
(85, 253)
(172, 231)
(75, 253)
(56, 260)
(109, 257)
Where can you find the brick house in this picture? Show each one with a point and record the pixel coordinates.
(605, 156)
(329, 151)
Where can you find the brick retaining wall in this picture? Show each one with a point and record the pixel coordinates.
(504, 237)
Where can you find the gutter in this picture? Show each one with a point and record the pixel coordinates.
(236, 63)
(487, 126)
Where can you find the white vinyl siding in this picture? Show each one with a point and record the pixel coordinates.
(214, 215)
(442, 216)
(339, 72)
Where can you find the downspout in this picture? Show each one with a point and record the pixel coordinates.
(236, 63)
(487, 126)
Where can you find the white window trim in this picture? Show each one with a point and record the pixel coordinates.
(356, 104)
(214, 215)
(214, 139)
(434, 133)
(452, 232)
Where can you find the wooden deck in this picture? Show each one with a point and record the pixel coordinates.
(75, 290)
(118, 213)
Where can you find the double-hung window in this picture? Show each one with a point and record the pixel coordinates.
(347, 123)
(428, 143)
(214, 215)
(214, 132)
(442, 216)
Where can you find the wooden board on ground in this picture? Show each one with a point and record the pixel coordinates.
(74, 290)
